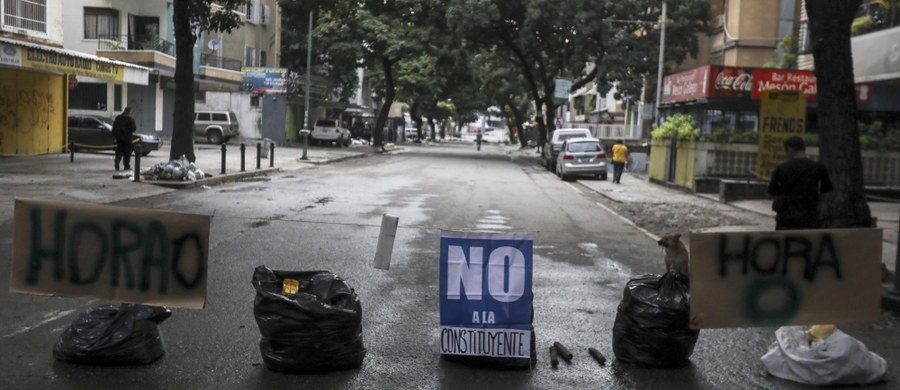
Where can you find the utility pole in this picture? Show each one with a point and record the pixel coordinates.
(306, 130)
(659, 71)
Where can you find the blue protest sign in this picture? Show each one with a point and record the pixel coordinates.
(485, 294)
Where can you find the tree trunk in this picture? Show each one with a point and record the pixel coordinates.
(378, 133)
(183, 131)
(829, 22)
(433, 129)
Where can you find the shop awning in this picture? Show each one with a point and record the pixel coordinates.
(29, 55)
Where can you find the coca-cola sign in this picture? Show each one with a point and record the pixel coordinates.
(784, 80)
(732, 82)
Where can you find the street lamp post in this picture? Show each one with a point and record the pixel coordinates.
(659, 70)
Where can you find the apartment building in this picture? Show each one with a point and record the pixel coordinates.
(142, 33)
(37, 74)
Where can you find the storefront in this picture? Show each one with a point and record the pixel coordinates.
(725, 98)
(34, 85)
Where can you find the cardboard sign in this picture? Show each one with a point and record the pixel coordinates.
(787, 277)
(122, 254)
(485, 294)
(782, 114)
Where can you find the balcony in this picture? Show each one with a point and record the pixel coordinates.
(159, 54)
(129, 42)
(220, 62)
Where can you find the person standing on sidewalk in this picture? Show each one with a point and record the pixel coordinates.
(619, 157)
(798, 186)
(123, 130)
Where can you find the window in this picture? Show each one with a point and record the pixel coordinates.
(803, 41)
(265, 15)
(219, 117)
(25, 14)
(100, 23)
(249, 56)
(262, 58)
(253, 11)
(203, 116)
(88, 96)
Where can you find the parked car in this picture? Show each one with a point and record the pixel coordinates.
(327, 130)
(551, 149)
(410, 133)
(581, 156)
(216, 127)
(92, 132)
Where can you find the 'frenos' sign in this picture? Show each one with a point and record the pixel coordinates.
(486, 294)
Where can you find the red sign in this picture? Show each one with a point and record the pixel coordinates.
(732, 82)
(784, 80)
(688, 85)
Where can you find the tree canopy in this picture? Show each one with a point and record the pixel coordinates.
(540, 39)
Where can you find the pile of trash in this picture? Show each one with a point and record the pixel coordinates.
(174, 170)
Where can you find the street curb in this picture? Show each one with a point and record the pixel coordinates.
(331, 160)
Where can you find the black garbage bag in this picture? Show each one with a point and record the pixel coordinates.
(112, 335)
(316, 329)
(651, 326)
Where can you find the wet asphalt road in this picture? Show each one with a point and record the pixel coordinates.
(328, 219)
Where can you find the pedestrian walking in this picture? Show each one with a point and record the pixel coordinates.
(123, 130)
(478, 137)
(619, 158)
(798, 187)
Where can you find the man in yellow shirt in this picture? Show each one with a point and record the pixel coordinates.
(619, 157)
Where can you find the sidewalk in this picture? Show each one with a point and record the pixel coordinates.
(636, 188)
(90, 177)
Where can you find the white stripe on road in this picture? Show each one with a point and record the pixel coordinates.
(49, 317)
(628, 221)
(573, 187)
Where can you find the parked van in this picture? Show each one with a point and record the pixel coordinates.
(216, 127)
(328, 130)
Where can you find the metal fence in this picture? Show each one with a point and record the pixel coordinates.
(221, 62)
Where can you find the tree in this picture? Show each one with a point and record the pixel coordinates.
(191, 18)
(839, 150)
(547, 39)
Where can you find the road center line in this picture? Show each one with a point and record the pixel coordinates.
(50, 317)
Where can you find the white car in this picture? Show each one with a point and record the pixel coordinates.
(327, 130)
(581, 156)
(551, 148)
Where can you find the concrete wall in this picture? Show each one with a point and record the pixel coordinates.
(706, 159)
(249, 117)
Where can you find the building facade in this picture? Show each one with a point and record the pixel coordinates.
(37, 74)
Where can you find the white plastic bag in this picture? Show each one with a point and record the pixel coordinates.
(836, 360)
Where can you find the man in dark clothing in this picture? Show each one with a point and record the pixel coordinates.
(798, 185)
(123, 130)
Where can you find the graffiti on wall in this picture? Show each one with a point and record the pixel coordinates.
(31, 112)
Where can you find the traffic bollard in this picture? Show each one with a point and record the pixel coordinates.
(138, 150)
(897, 264)
(258, 154)
(272, 155)
(223, 158)
(71, 152)
(243, 149)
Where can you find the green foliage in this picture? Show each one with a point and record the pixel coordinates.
(878, 136)
(861, 25)
(723, 134)
(679, 126)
